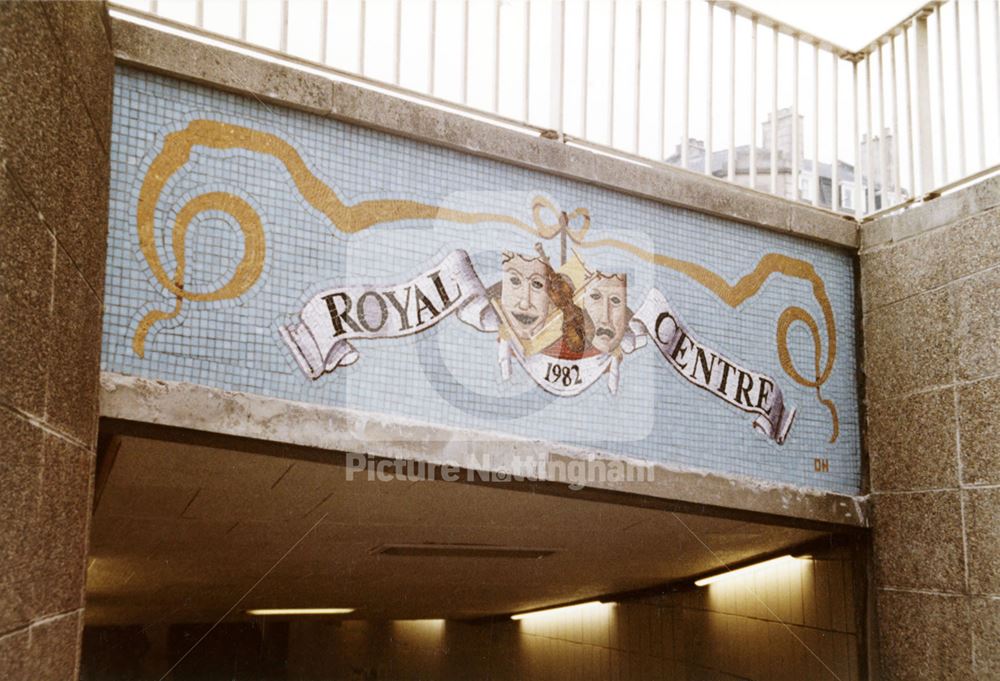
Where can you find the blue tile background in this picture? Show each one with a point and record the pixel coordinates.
(448, 375)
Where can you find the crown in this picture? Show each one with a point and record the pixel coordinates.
(594, 275)
(507, 256)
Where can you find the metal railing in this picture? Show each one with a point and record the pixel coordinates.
(708, 85)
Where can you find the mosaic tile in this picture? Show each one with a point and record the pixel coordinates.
(449, 373)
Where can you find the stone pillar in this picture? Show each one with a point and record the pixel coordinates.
(56, 72)
(930, 283)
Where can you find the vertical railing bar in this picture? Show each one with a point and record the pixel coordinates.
(611, 78)
(496, 58)
(199, 14)
(980, 113)
(835, 168)
(961, 95)
(925, 128)
(398, 39)
(663, 83)
(284, 26)
(731, 170)
(154, 6)
(361, 36)
(585, 65)
(638, 70)
(710, 85)
(432, 57)
(909, 110)
(939, 15)
(774, 110)
(465, 51)
(895, 119)
(686, 89)
(996, 35)
(869, 155)
(796, 151)
(243, 19)
(859, 197)
(815, 145)
(527, 58)
(753, 103)
(561, 56)
(324, 24)
(882, 146)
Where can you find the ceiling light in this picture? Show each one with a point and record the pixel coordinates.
(461, 551)
(264, 612)
(745, 570)
(557, 611)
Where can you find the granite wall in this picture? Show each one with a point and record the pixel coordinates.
(56, 73)
(930, 281)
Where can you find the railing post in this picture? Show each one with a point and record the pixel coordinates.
(664, 141)
(923, 78)
(496, 56)
(753, 103)
(686, 87)
(731, 161)
(859, 197)
(710, 83)
(585, 66)
(465, 52)
(397, 35)
(324, 24)
(558, 34)
(637, 103)
(834, 128)
(796, 147)
(432, 48)
(815, 140)
(773, 151)
(283, 44)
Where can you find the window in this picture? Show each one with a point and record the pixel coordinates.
(846, 196)
(805, 186)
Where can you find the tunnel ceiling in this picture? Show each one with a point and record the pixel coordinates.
(181, 532)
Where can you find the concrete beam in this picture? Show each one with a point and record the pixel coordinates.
(344, 431)
(930, 215)
(310, 87)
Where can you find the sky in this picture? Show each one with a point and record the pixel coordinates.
(852, 24)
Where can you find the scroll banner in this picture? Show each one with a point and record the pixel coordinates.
(568, 377)
(331, 320)
(752, 392)
(321, 342)
(561, 377)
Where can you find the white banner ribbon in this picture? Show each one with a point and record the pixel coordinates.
(562, 377)
(321, 342)
(747, 390)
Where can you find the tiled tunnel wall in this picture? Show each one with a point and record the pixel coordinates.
(56, 73)
(796, 621)
(931, 295)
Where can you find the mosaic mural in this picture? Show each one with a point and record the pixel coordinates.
(269, 251)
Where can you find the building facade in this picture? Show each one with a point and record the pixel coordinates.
(786, 170)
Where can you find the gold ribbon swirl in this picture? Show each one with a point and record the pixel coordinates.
(362, 215)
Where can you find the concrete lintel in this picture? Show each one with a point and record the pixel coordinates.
(241, 415)
(939, 212)
(144, 47)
